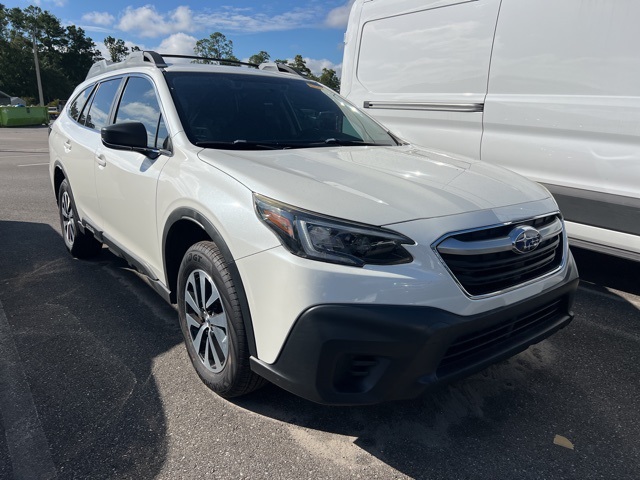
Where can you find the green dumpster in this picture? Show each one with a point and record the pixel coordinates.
(23, 116)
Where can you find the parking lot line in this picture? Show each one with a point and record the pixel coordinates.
(26, 441)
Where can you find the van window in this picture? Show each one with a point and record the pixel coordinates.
(139, 103)
(98, 115)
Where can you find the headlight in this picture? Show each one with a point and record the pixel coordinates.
(329, 239)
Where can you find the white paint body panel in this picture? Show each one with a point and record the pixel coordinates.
(376, 185)
(422, 52)
(421, 193)
(74, 147)
(424, 282)
(562, 102)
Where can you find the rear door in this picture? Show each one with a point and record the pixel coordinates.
(126, 181)
(79, 134)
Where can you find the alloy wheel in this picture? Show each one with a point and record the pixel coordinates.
(206, 321)
(68, 221)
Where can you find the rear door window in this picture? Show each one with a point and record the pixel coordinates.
(100, 109)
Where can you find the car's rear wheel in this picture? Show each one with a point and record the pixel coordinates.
(79, 244)
(212, 323)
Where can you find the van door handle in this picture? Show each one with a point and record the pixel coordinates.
(67, 146)
(101, 160)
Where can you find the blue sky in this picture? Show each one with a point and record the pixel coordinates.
(313, 28)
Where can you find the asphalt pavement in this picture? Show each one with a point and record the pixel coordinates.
(95, 382)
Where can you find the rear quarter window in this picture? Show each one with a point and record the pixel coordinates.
(77, 105)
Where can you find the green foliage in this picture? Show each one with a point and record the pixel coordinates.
(330, 79)
(65, 53)
(216, 46)
(118, 51)
(259, 58)
(301, 66)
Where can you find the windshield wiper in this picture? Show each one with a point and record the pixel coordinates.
(349, 143)
(241, 145)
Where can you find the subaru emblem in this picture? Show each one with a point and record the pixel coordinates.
(524, 239)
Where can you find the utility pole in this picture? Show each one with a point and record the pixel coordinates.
(35, 59)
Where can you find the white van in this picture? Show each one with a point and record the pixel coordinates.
(548, 89)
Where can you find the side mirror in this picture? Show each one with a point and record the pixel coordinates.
(130, 136)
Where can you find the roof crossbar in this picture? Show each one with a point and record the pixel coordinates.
(141, 57)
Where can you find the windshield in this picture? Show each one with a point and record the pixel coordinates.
(243, 111)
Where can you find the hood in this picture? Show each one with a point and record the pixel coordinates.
(375, 185)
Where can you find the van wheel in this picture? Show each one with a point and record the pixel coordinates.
(80, 245)
(212, 324)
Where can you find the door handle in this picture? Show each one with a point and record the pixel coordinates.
(102, 161)
(67, 146)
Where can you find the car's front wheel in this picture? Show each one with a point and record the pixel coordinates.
(212, 324)
(79, 244)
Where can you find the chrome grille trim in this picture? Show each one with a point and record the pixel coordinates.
(466, 249)
(454, 246)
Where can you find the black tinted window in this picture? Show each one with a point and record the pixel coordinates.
(225, 110)
(98, 115)
(78, 103)
(140, 104)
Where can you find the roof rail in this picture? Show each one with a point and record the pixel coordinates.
(210, 59)
(136, 58)
(140, 57)
(279, 67)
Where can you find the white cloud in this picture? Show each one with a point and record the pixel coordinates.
(102, 49)
(98, 18)
(178, 43)
(338, 17)
(148, 22)
(93, 28)
(57, 3)
(243, 20)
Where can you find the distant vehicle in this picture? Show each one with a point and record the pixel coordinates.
(303, 243)
(549, 89)
(53, 112)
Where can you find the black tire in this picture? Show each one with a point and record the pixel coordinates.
(79, 244)
(212, 323)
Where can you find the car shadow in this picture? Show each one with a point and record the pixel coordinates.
(88, 332)
(87, 335)
(501, 422)
(605, 271)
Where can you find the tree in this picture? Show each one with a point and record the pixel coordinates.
(117, 49)
(65, 53)
(301, 66)
(216, 46)
(79, 53)
(259, 58)
(330, 79)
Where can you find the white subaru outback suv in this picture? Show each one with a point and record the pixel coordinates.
(303, 243)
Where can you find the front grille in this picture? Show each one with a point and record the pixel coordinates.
(484, 261)
(473, 347)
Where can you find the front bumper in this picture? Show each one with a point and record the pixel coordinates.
(349, 354)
